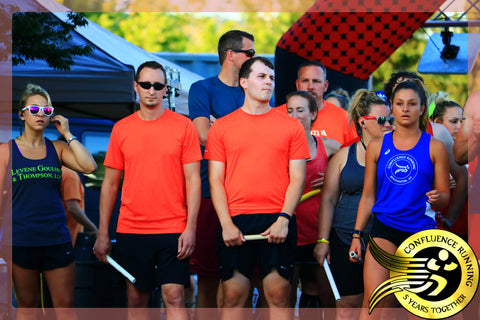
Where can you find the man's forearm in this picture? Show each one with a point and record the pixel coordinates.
(107, 202)
(459, 195)
(193, 193)
(292, 196)
(219, 199)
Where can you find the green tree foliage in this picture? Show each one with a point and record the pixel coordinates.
(42, 36)
(187, 5)
(88, 5)
(269, 27)
(194, 32)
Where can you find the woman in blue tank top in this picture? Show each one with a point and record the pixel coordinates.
(40, 238)
(341, 195)
(406, 175)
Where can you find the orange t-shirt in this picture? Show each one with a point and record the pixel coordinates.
(256, 150)
(72, 189)
(332, 122)
(152, 155)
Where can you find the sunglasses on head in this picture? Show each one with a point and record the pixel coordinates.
(34, 110)
(380, 120)
(249, 52)
(147, 85)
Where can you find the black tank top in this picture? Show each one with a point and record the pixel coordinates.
(350, 187)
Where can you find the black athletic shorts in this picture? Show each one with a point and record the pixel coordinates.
(307, 263)
(43, 258)
(265, 255)
(152, 259)
(395, 236)
(348, 275)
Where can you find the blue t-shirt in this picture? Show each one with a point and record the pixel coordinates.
(212, 97)
(404, 176)
(38, 215)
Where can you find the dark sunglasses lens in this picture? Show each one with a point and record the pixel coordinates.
(250, 53)
(47, 111)
(391, 120)
(381, 120)
(145, 85)
(34, 109)
(158, 86)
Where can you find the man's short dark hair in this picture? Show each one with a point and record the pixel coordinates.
(232, 39)
(152, 65)
(312, 63)
(246, 68)
(393, 81)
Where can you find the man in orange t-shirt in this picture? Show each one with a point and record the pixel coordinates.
(257, 163)
(210, 99)
(73, 196)
(158, 152)
(331, 122)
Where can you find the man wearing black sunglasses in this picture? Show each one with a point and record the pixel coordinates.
(158, 152)
(210, 99)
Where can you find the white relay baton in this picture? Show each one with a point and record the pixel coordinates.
(326, 267)
(353, 254)
(120, 269)
(250, 237)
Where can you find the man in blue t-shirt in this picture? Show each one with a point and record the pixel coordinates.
(208, 100)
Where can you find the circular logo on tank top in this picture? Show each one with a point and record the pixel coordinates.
(401, 169)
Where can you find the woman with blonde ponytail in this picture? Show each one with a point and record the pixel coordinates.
(446, 112)
(340, 197)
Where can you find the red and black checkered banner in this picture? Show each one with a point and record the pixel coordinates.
(352, 38)
(355, 40)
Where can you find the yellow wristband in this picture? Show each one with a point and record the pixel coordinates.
(323, 241)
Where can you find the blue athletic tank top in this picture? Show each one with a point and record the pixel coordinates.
(38, 215)
(404, 176)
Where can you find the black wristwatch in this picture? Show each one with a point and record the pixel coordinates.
(285, 215)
